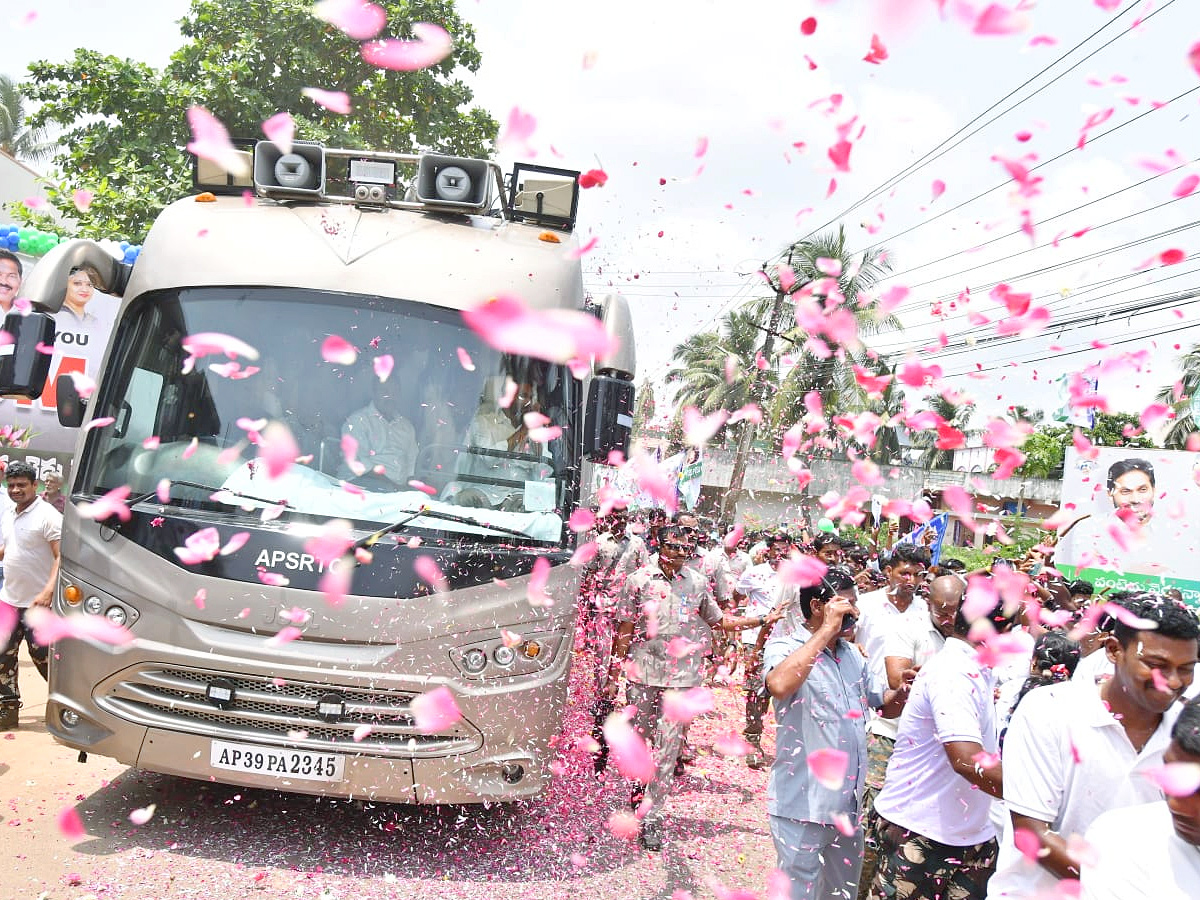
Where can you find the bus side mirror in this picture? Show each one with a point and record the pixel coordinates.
(71, 406)
(608, 419)
(24, 366)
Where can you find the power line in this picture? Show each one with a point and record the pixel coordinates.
(1068, 303)
(1091, 140)
(1182, 299)
(937, 151)
(975, 247)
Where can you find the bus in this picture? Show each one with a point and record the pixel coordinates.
(321, 297)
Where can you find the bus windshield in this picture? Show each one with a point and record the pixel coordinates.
(425, 415)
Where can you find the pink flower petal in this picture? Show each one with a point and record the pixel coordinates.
(698, 429)
(839, 155)
(432, 45)
(629, 751)
(581, 519)
(1187, 186)
(201, 546)
(69, 824)
(683, 706)
(102, 422)
(701, 147)
(593, 178)
(1177, 779)
(49, 628)
(732, 744)
(1194, 57)
(535, 592)
(334, 101)
(828, 766)
(999, 20)
(624, 824)
(277, 450)
(8, 621)
(210, 140)
(335, 584)
(112, 503)
(878, 53)
(235, 543)
(939, 188)
(284, 636)
(802, 570)
(338, 350)
(1028, 843)
(280, 130)
(427, 570)
(1172, 257)
(357, 18)
(464, 359)
(808, 26)
(517, 131)
(142, 815)
(83, 199)
(509, 326)
(435, 710)
(383, 366)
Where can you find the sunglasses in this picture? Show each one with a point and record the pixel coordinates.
(678, 548)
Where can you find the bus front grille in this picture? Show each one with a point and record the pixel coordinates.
(277, 711)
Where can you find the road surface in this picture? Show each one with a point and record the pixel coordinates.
(222, 843)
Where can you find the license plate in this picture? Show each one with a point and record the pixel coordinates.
(304, 765)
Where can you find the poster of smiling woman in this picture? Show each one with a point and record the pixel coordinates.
(1137, 519)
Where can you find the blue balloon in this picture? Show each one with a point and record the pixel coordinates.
(11, 240)
(124, 245)
(131, 255)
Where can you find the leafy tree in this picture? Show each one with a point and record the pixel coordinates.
(17, 138)
(700, 365)
(1046, 448)
(125, 123)
(957, 416)
(832, 378)
(1184, 422)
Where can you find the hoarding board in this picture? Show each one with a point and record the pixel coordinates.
(1138, 520)
(78, 347)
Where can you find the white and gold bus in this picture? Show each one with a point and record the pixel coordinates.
(384, 251)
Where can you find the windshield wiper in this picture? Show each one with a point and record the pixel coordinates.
(399, 525)
(140, 498)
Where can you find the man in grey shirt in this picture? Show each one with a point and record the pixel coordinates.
(665, 619)
(823, 690)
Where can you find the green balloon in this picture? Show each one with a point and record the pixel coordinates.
(825, 525)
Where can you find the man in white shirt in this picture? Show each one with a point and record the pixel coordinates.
(935, 836)
(30, 531)
(757, 593)
(1076, 750)
(914, 644)
(1151, 852)
(387, 442)
(886, 612)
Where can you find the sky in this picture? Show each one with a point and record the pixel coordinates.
(713, 122)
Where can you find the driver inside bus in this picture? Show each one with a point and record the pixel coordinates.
(387, 441)
(503, 431)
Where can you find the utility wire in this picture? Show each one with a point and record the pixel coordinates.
(937, 151)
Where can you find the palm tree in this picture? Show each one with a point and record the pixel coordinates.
(17, 138)
(832, 378)
(1184, 423)
(957, 417)
(701, 362)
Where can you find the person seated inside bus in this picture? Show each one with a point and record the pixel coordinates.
(387, 441)
(499, 476)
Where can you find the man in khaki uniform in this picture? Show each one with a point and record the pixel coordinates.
(664, 602)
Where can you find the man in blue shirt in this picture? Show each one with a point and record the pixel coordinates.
(823, 690)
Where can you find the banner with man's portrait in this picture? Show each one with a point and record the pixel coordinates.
(1136, 517)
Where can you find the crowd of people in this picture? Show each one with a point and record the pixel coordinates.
(940, 733)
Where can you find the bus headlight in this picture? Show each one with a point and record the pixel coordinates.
(504, 656)
(474, 661)
(116, 615)
(93, 605)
